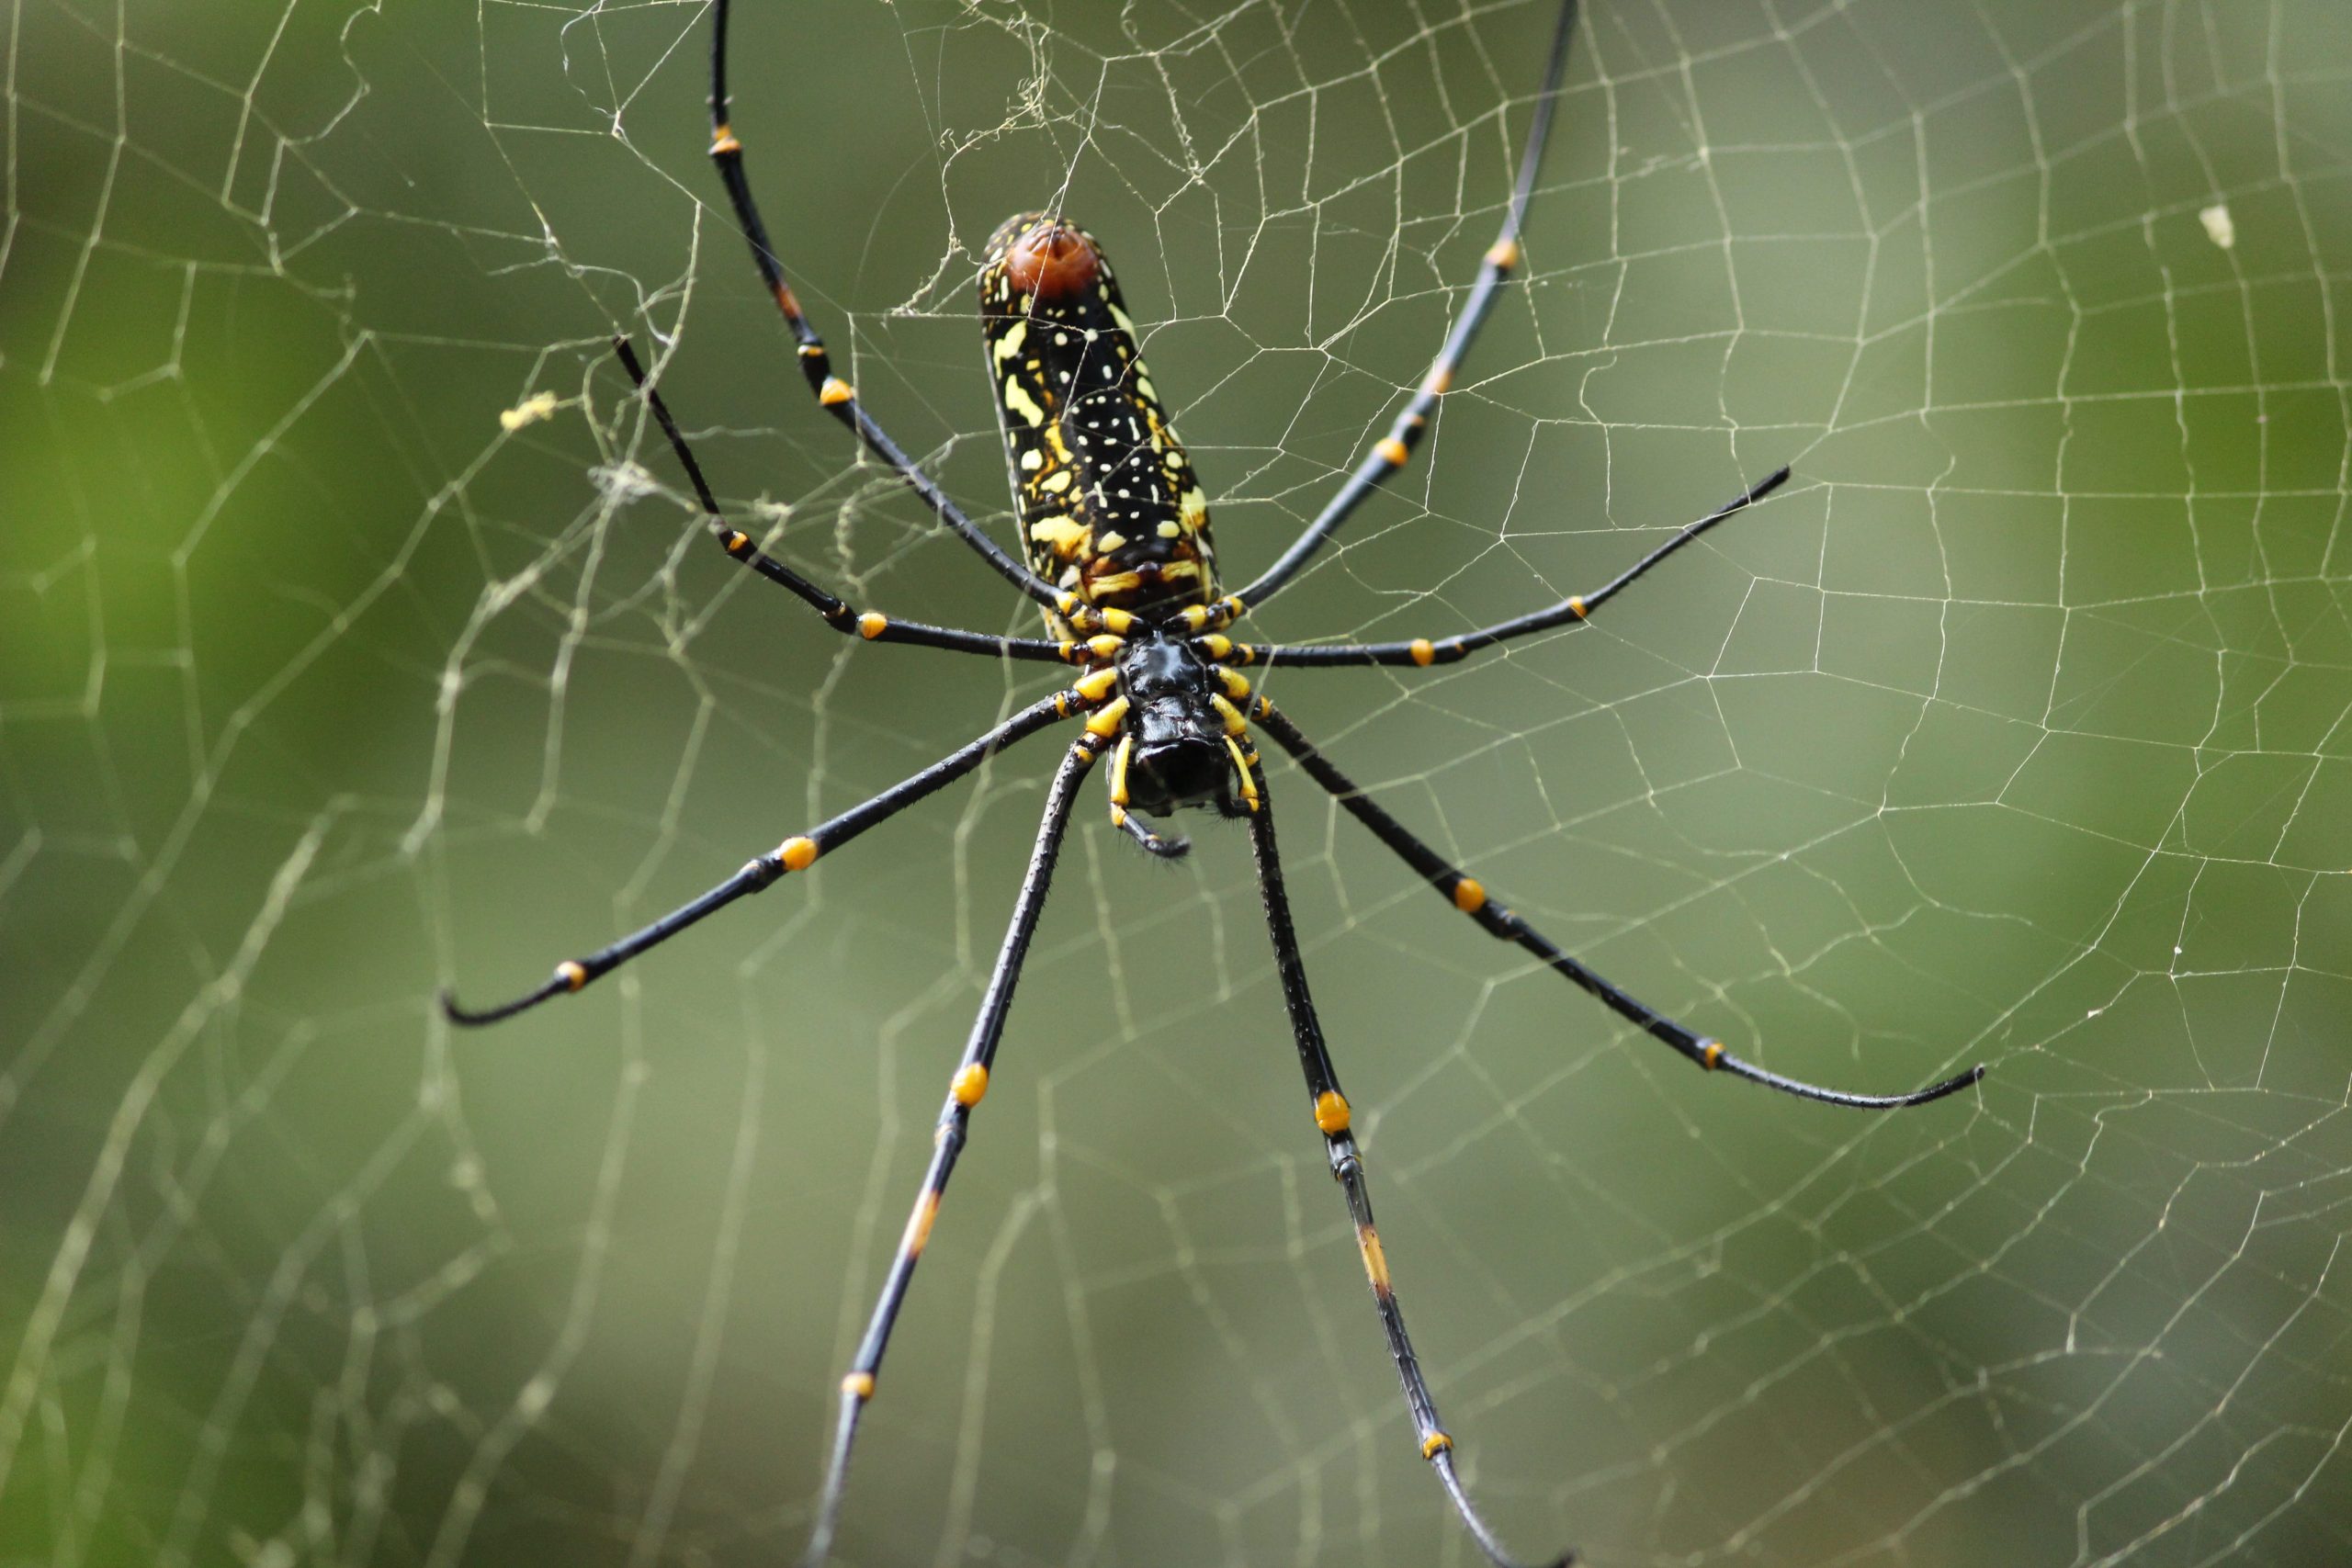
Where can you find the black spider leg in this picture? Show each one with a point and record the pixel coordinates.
(964, 1089)
(1423, 652)
(1391, 453)
(833, 393)
(1332, 1118)
(796, 854)
(872, 625)
(1467, 894)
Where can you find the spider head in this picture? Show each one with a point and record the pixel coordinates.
(1180, 757)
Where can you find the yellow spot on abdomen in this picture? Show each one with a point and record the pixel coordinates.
(1065, 536)
(1332, 1113)
(1017, 399)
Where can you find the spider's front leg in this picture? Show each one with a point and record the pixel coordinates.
(1332, 1120)
(1422, 652)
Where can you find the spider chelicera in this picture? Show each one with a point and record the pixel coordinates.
(1117, 533)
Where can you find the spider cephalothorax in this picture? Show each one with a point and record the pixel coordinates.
(1115, 533)
(1184, 740)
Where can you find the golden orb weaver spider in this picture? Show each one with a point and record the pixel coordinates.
(1115, 530)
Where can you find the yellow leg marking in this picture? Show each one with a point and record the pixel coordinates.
(1469, 895)
(722, 141)
(834, 393)
(1233, 723)
(919, 1225)
(738, 541)
(1107, 717)
(1241, 766)
(1394, 453)
(1236, 686)
(1505, 254)
(1711, 1054)
(1435, 1444)
(1375, 1262)
(1096, 684)
(858, 1385)
(575, 975)
(798, 855)
(1575, 608)
(1332, 1113)
(1441, 379)
(1423, 652)
(1118, 623)
(971, 1083)
(1217, 645)
(1105, 647)
(1119, 761)
(873, 624)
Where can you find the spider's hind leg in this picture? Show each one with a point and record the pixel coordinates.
(1469, 895)
(1332, 1120)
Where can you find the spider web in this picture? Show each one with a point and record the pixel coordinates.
(358, 640)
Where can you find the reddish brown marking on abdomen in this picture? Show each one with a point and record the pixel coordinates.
(1053, 261)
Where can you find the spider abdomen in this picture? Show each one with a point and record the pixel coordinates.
(1109, 508)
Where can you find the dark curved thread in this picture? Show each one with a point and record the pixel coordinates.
(1347, 1166)
(761, 871)
(1469, 896)
(1412, 424)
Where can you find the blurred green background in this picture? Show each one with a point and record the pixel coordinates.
(2013, 732)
